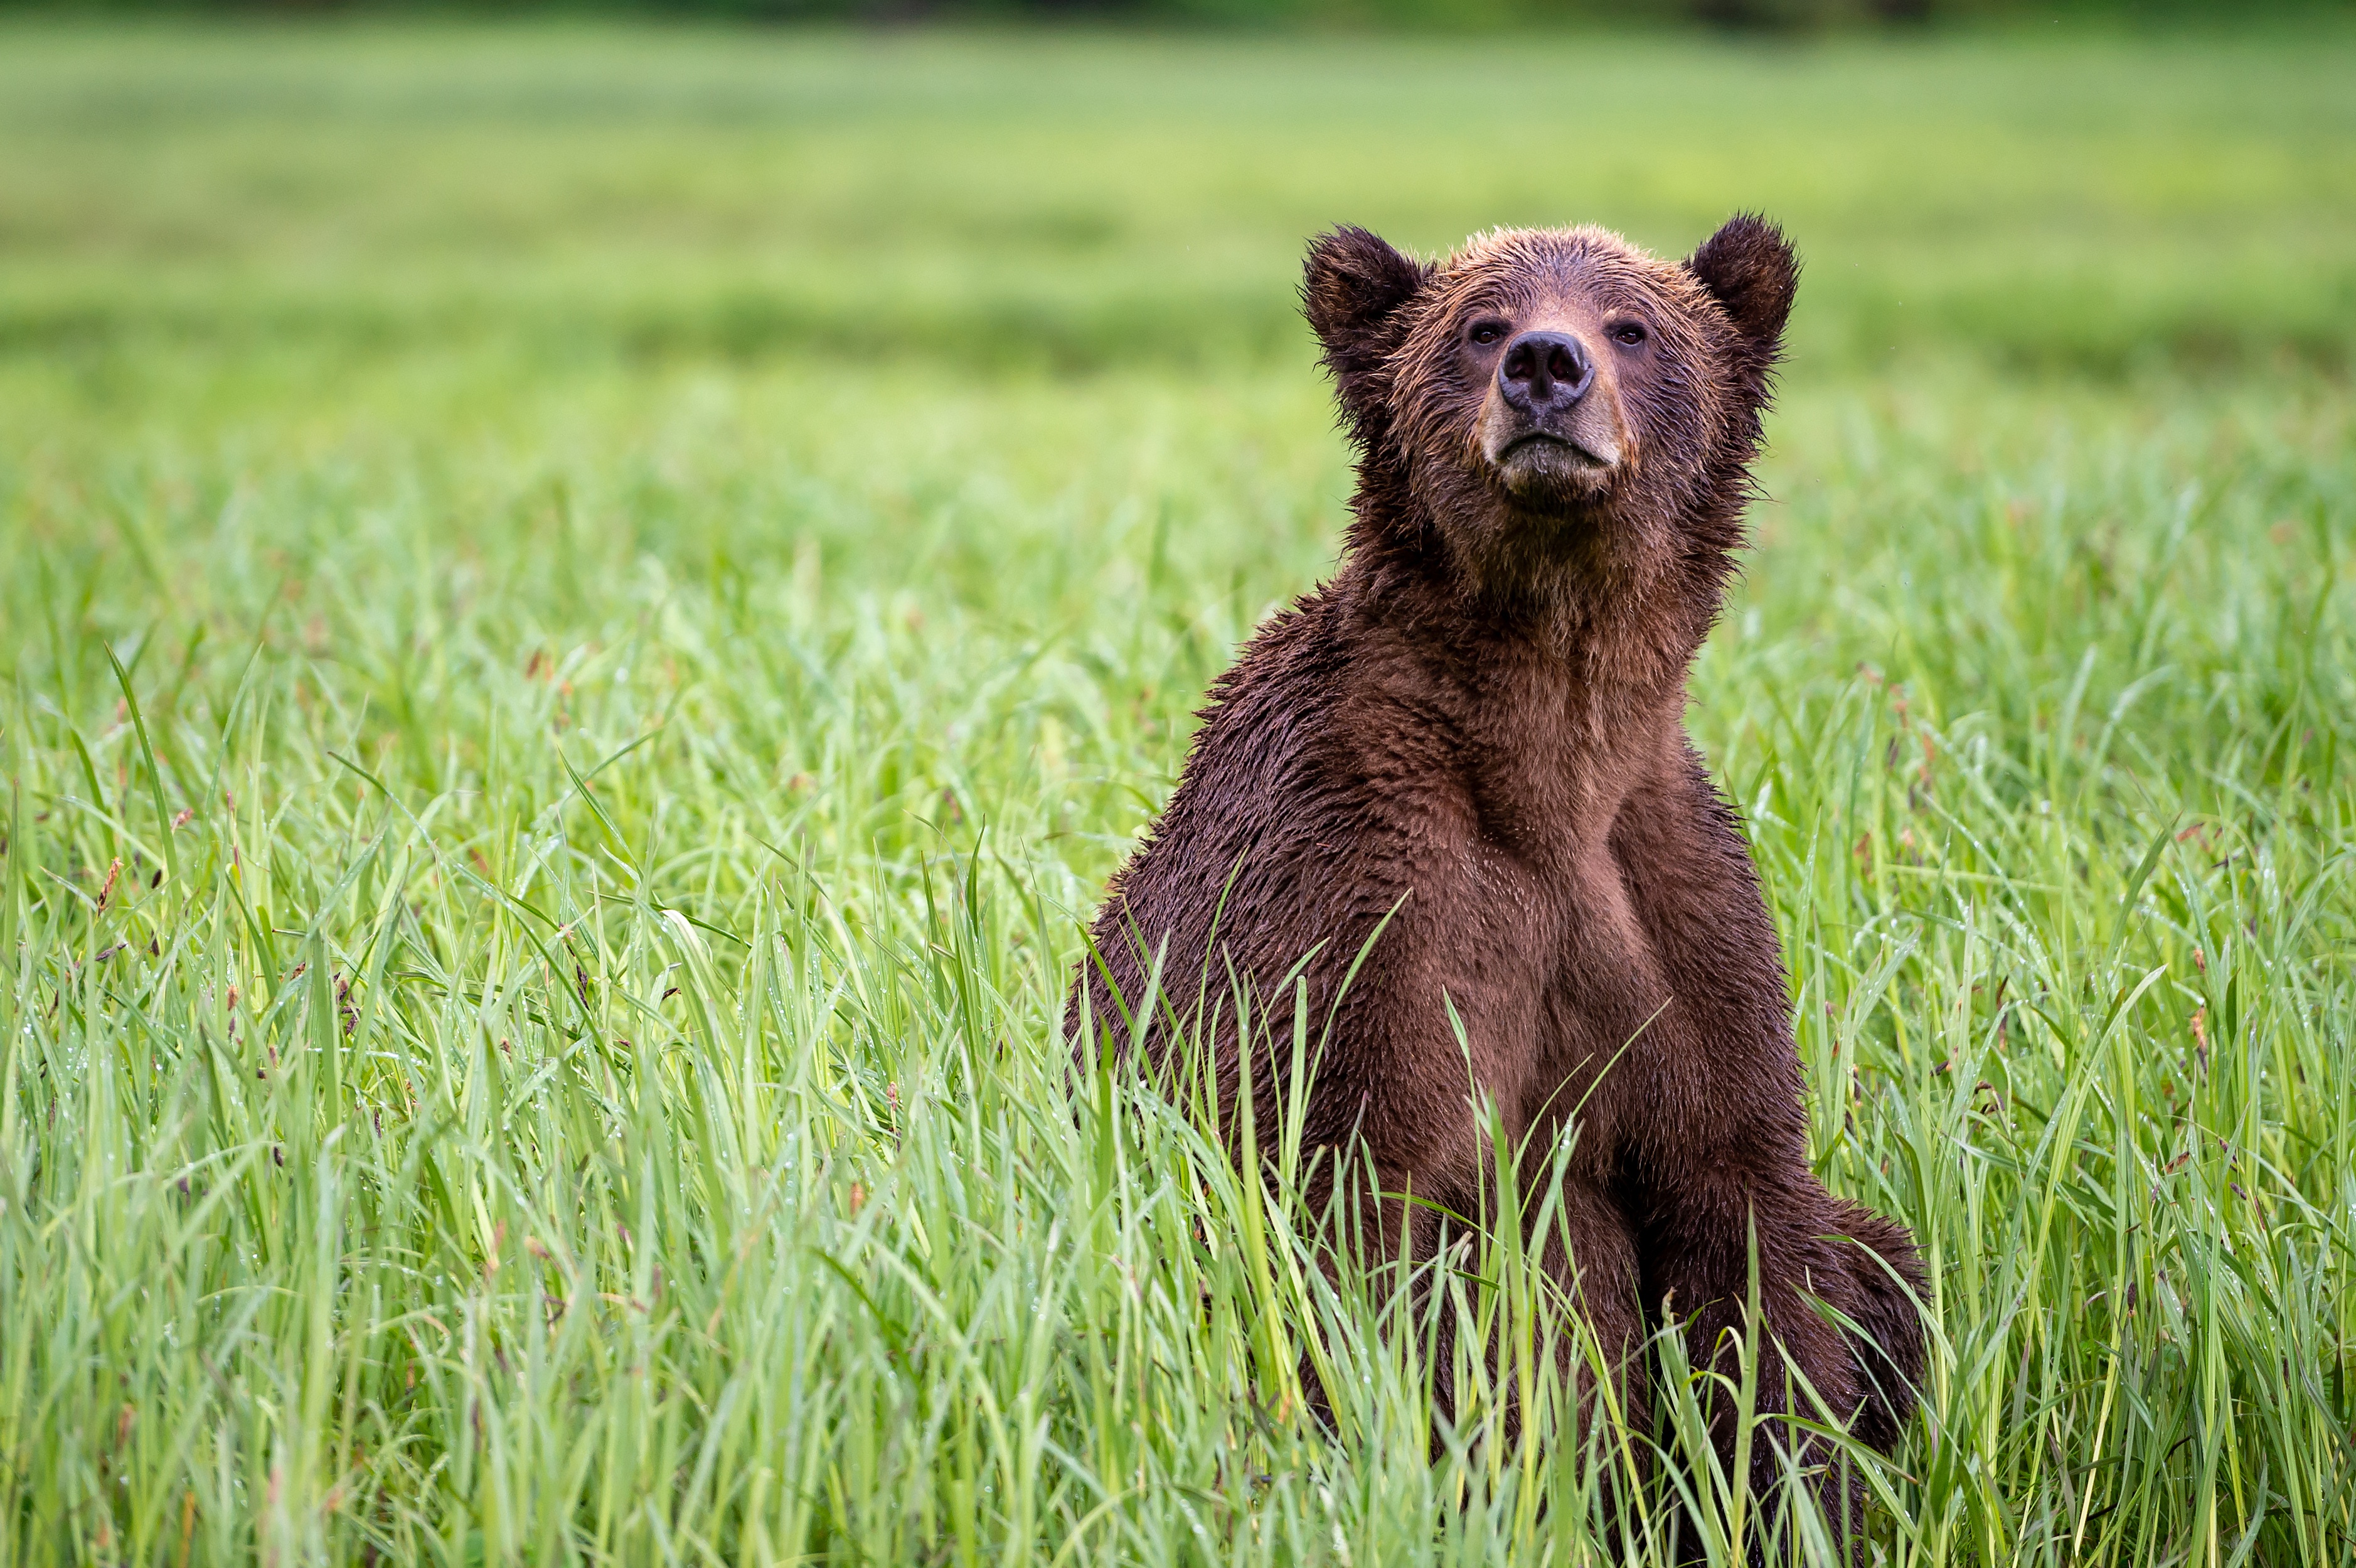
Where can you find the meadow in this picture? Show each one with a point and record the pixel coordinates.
(584, 611)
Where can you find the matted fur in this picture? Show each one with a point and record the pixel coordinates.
(1475, 730)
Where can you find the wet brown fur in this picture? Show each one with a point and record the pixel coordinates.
(1476, 730)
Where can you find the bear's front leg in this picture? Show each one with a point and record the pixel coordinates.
(1719, 1166)
(1720, 1232)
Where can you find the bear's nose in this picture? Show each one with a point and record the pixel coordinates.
(1545, 371)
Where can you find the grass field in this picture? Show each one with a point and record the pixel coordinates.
(584, 611)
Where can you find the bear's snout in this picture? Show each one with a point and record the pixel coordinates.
(1551, 426)
(1543, 371)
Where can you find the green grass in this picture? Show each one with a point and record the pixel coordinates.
(654, 574)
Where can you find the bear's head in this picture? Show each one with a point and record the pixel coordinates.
(1557, 396)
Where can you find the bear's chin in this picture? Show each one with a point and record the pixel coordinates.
(1552, 479)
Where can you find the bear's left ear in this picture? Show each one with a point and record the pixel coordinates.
(1352, 289)
(1750, 269)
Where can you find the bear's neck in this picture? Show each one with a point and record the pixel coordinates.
(1620, 635)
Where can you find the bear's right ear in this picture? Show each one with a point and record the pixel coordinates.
(1351, 290)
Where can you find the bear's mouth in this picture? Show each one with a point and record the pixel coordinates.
(1554, 457)
(1549, 447)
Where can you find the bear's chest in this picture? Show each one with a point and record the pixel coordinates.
(1549, 950)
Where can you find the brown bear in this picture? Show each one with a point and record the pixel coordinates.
(1462, 767)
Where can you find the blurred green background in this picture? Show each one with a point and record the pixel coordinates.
(1439, 15)
(738, 291)
(1094, 202)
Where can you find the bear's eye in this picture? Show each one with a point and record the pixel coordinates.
(1487, 332)
(1628, 334)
